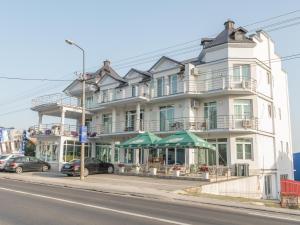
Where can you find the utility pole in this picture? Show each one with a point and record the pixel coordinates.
(83, 130)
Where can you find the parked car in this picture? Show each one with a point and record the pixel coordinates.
(4, 158)
(91, 166)
(21, 164)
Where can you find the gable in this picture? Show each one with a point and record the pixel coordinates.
(164, 64)
(108, 80)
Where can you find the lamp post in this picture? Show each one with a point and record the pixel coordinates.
(83, 109)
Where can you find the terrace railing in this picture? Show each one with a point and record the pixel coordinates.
(58, 98)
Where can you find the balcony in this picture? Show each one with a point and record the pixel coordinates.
(54, 99)
(217, 124)
(54, 129)
(115, 97)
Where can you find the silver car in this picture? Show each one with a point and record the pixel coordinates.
(4, 158)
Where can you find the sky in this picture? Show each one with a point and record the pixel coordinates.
(33, 33)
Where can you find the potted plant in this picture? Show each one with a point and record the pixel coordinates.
(176, 170)
(153, 170)
(136, 168)
(205, 171)
(121, 167)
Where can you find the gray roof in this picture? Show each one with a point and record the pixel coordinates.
(227, 36)
(107, 70)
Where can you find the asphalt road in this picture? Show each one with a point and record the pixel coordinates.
(33, 204)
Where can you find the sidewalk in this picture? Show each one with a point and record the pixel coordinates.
(166, 190)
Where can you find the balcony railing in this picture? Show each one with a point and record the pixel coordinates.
(54, 129)
(127, 92)
(219, 123)
(58, 98)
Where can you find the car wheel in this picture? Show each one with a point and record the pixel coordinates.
(86, 172)
(45, 168)
(110, 169)
(19, 170)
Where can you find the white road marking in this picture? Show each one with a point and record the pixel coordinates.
(272, 216)
(97, 207)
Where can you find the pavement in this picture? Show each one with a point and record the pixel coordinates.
(167, 190)
(29, 203)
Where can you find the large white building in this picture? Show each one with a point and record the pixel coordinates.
(234, 94)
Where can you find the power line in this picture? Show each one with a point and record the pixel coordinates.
(188, 42)
(33, 79)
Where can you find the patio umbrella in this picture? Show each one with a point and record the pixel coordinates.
(143, 140)
(184, 139)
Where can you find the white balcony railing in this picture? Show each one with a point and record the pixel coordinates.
(54, 129)
(58, 98)
(219, 123)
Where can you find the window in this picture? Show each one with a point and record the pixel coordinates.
(160, 87)
(48, 151)
(130, 120)
(210, 115)
(104, 96)
(134, 89)
(72, 150)
(242, 109)
(173, 84)
(103, 152)
(241, 72)
(89, 101)
(107, 123)
(270, 110)
(244, 148)
(166, 118)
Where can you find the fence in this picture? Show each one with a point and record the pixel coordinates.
(290, 187)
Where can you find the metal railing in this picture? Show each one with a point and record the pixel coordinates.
(127, 92)
(58, 98)
(54, 129)
(198, 124)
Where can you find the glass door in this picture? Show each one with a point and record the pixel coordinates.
(107, 123)
(166, 118)
(160, 87)
(210, 115)
(173, 84)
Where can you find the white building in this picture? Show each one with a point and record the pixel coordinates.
(10, 140)
(234, 95)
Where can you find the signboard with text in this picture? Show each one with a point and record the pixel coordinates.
(83, 134)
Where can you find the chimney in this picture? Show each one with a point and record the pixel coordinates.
(229, 24)
(106, 62)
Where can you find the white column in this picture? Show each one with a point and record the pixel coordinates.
(112, 151)
(60, 148)
(113, 129)
(138, 112)
(40, 121)
(62, 121)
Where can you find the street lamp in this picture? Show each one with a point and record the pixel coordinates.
(83, 109)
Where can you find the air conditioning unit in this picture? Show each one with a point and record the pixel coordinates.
(196, 71)
(195, 103)
(246, 84)
(247, 123)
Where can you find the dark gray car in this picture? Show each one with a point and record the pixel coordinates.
(26, 163)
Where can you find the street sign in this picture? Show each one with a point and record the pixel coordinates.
(83, 134)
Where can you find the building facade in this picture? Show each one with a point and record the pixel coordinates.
(10, 140)
(234, 95)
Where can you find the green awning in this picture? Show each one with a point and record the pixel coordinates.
(143, 140)
(184, 139)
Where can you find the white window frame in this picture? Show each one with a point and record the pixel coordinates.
(241, 77)
(244, 142)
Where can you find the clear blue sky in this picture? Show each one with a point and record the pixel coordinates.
(33, 33)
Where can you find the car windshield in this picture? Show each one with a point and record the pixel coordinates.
(3, 157)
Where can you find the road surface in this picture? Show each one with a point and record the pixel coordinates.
(32, 204)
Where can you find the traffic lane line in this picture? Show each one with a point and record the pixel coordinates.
(97, 207)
